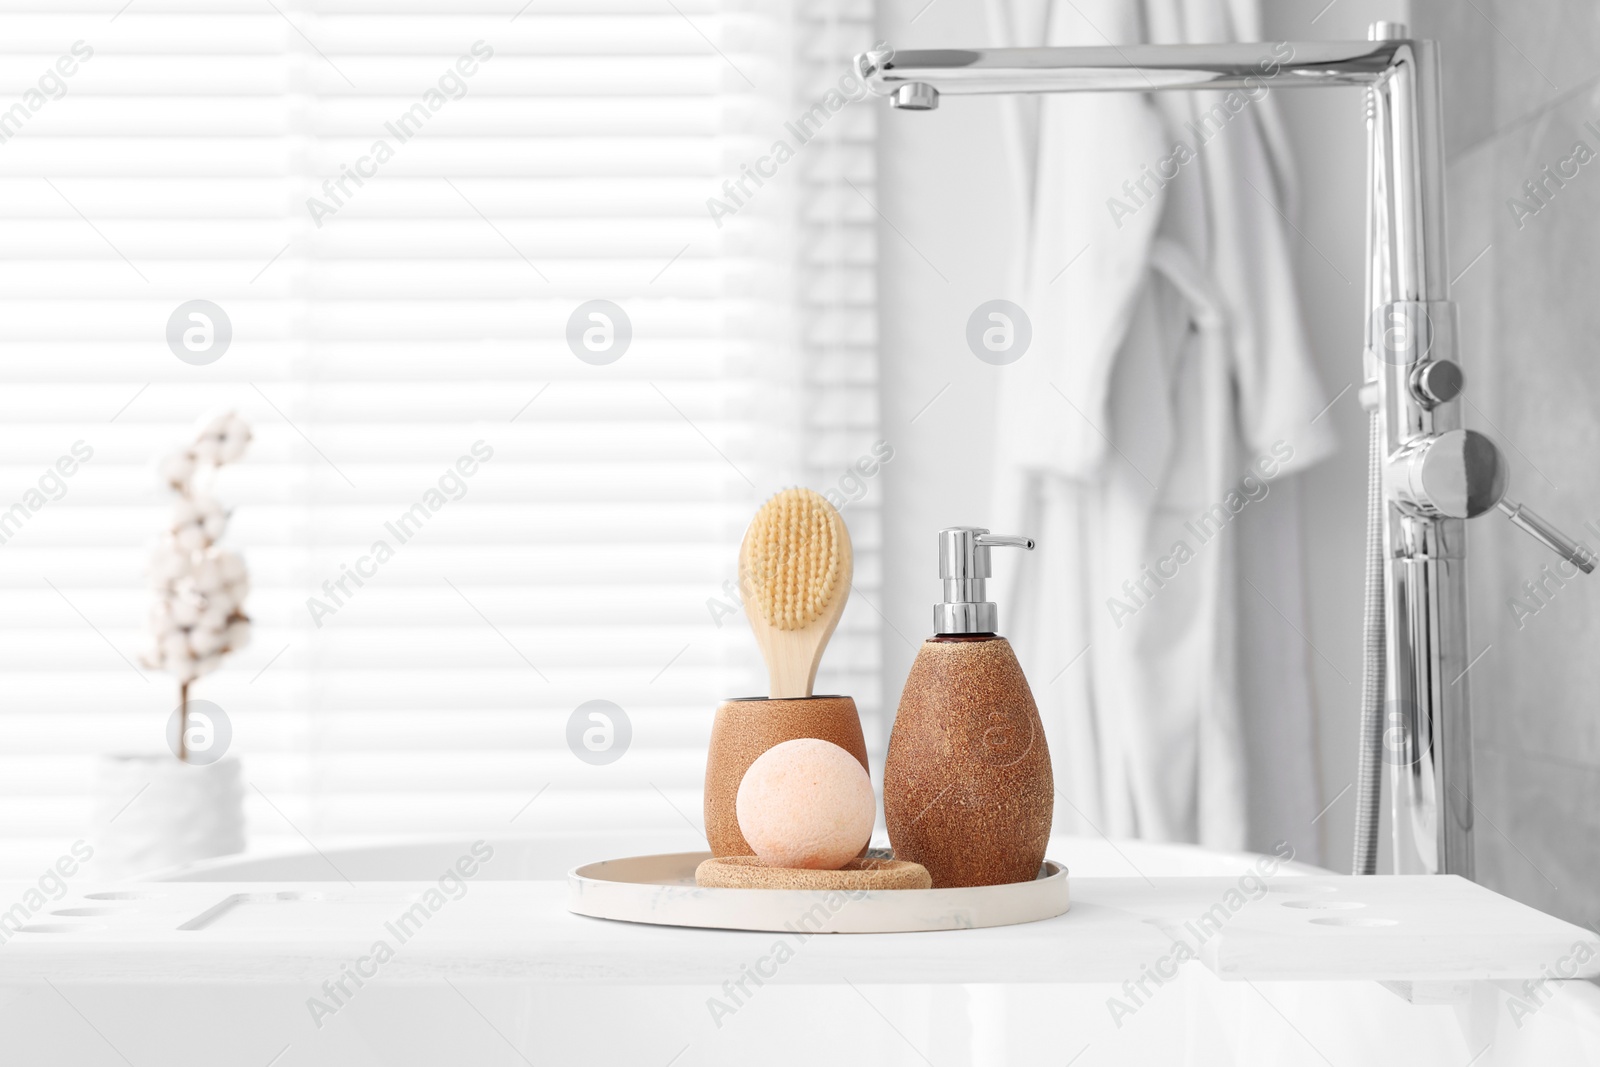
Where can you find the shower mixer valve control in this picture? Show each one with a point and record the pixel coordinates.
(1460, 474)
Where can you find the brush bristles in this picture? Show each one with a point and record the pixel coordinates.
(792, 558)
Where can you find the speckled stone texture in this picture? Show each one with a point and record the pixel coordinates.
(744, 729)
(747, 872)
(967, 788)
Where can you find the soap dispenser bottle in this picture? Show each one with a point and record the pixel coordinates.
(967, 787)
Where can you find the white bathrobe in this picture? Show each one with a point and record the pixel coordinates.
(1169, 362)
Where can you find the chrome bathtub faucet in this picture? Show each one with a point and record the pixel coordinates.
(1428, 474)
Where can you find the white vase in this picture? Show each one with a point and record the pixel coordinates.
(154, 811)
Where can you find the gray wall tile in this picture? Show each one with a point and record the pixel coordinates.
(1542, 50)
(1530, 326)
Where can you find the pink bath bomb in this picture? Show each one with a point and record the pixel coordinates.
(806, 803)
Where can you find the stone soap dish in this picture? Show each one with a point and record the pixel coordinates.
(662, 890)
(747, 872)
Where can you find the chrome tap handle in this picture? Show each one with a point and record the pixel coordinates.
(1576, 553)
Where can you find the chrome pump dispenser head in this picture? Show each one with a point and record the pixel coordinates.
(964, 565)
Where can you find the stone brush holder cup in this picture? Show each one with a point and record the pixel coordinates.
(745, 728)
(795, 566)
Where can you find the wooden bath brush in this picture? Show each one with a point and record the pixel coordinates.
(795, 567)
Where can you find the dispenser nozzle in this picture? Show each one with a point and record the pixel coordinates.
(963, 567)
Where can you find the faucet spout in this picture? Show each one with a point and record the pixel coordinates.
(1134, 68)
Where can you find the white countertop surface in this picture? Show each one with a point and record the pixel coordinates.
(1330, 927)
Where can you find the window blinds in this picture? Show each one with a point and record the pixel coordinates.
(397, 208)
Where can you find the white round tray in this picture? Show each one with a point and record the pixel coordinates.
(661, 890)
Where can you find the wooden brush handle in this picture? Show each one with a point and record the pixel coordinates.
(792, 657)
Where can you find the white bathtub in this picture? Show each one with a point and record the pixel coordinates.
(178, 1014)
(1199, 1019)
